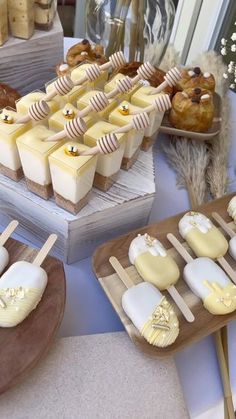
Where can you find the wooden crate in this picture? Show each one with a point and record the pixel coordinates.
(28, 65)
(125, 206)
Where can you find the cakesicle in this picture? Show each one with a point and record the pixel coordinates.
(208, 281)
(154, 265)
(148, 309)
(22, 287)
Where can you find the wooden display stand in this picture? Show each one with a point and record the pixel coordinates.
(28, 65)
(125, 206)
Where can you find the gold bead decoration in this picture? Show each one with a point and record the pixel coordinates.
(68, 113)
(8, 119)
(124, 109)
(72, 151)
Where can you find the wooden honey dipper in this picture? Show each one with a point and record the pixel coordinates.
(72, 129)
(145, 71)
(105, 145)
(139, 122)
(116, 60)
(171, 78)
(97, 103)
(36, 112)
(61, 87)
(160, 104)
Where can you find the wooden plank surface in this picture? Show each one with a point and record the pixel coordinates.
(21, 347)
(205, 322)
(107, 214)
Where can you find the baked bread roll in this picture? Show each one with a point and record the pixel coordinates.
(194, 77)
(8, 96)
(192, 110)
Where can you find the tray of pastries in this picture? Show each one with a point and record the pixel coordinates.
(196, 107)
(173, 283)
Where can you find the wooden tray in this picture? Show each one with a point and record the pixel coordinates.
(205, 323)
(21, 347)
(167, 128)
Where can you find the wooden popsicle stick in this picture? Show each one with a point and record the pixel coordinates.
(179, 301)
(121, 272)
(179, 247)
(6, 234)
(223, 224)
(227, 268)
(45, 250)
(224, 375)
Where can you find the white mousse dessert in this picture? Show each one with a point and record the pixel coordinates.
(108, 165)
(72, 176)
(34, 152)
(10, 163)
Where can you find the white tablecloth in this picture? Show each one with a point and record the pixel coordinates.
(88, 310)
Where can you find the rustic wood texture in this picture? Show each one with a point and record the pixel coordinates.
(126, 205)
(21, 347)
(205, 322)
(28, 65)
(209, 135)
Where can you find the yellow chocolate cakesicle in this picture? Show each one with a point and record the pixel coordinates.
(202, 236)
(152, 262)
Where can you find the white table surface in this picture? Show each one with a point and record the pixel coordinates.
(88, 310)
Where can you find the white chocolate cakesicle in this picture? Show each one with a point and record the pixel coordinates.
(143, 99)
(151, 314)
(23, 104)
(232, 208)
(152, 262)
(210, 283)
(9, 132)
(202, 236)
(21, 289)
(80, 72)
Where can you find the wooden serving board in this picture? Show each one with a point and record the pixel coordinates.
(21, 347)
(167, 128)
(204, 324)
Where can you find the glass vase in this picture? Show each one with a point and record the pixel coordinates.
(137, 27)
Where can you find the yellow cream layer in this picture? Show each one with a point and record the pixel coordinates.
(10, 132)
(221, 300)
(99, 129)
(162, 328)
(161, 271)
(211, 244)
(23, 104)
(142, 97)
(32, 140)
(117, 118)
(76, 165)
(17, 309)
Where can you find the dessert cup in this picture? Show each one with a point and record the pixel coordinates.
(79, 72)
(70, 97)
(111, 85)
(83, 102)
(10, 164)
(34, 152)
(134, 138)
(23, 104)
(72, 176)
(108, 165)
